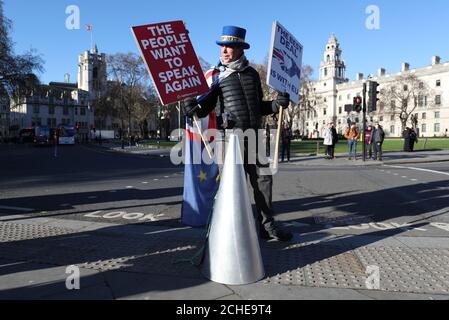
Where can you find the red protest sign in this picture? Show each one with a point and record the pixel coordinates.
(171, 60)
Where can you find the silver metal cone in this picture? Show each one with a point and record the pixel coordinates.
(232, 254)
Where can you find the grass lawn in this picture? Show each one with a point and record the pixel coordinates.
(310, 147)
(162, 144)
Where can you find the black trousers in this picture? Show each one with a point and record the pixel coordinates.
(286, 147)
(330, 151)
(262, 184)
(263, 195)
(369, 149)
(378, 151)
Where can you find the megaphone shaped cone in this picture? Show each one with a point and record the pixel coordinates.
(232, 254)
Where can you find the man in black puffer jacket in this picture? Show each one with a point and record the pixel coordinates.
(239, 96)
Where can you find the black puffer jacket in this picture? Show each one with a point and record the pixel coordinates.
(240, 95)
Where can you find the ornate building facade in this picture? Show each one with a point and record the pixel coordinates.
(64, 102)
(333, 91)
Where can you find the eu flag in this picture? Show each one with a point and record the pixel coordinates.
(200, 179)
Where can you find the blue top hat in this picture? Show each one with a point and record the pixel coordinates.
(233, 36)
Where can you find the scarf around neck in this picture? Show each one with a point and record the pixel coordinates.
(238, 65)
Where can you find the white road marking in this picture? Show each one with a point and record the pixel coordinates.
(166, 177)
(420, 169)
(17, 208)
(155, 179)
(414, 180)
(125, 215)
(145, 182)
(129, 187)
(404, 177)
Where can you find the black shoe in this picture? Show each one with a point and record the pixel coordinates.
(276, 234)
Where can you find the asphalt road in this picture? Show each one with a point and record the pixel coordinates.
(89, 184)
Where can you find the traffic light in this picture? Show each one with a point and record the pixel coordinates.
(357, 104)
(373, 93)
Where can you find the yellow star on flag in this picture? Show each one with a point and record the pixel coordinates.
(202, 176)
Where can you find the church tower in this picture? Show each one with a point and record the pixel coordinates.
(333, 67)
(92, 73)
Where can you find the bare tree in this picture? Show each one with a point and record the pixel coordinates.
(147, 105)
(268, 93)
(308, 97)
(309, 100)
(403, 96)
(16, 71)
(129, 80)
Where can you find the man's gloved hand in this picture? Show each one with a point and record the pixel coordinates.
(283, 100)
(189, 106)
(226, 121)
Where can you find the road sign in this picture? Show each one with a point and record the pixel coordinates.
(171, 60)
(285, 62)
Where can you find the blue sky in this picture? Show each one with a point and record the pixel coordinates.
(410, 31)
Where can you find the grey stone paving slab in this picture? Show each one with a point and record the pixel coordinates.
(156, 287)
(232, 297)
(425, 242)
(12, 232)
(436, 261)
(315, 266)
(99, 292)
(11, 217)
(24, 280)
(402, 270)
(356, 241)
(76, 225)
(382, 295)
(316, 259)
(275, 292)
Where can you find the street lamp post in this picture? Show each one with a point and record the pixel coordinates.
(364, 123)
(129, 126)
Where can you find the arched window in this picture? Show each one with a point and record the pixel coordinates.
(328, 58)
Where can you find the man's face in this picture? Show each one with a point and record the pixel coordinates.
(230, 53)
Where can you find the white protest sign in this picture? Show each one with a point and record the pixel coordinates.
(285, 62)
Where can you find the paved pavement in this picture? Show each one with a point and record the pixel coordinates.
(350, 220)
